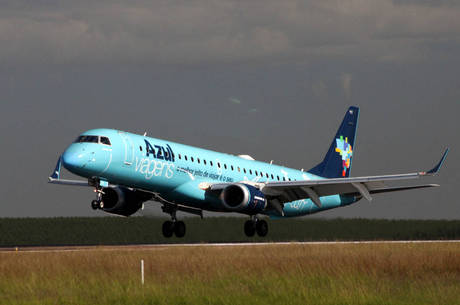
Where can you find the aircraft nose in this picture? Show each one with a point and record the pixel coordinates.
(72, 159)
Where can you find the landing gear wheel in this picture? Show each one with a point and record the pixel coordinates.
(95, 204)
(249, 228)
(168, 228)
(261, 228)
(101, 204)
(179, 229)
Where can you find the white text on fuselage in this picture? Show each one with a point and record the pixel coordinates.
(156, 162)
(152, 167)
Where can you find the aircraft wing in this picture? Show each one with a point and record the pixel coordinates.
(55, 177)
(364, 186)
(313, 189)
(280, 192)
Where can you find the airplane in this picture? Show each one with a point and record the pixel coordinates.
(127, 169)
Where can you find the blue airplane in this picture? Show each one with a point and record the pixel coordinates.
(127, 170)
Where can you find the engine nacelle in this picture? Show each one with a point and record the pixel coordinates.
(122, 201)
(243, 198)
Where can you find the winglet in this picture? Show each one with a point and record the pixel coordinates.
(436, 169)
(56, 173)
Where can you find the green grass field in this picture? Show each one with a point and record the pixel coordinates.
(421, 273)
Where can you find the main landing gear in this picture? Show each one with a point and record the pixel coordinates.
(254, 225)
(172, 226)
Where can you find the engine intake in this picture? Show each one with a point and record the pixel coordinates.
(122, 201)
(243, 198)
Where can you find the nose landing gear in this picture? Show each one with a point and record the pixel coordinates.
(255, 225)
(98, 203)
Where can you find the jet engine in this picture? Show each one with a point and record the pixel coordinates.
(243, 198)
(123, 201)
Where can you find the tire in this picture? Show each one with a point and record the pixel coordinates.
(179, 229)
(101, 204)
(95, 204)
(261, 228)
(168, 228)
(249, 228)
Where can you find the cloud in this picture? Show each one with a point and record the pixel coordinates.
(346, 79)
(234, 100)
(319, 89)
(224, 31)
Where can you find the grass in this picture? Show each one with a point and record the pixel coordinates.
(422, 273)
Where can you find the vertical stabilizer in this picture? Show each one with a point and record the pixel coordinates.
(337, 162)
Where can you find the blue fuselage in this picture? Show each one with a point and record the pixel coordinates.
(175, 170)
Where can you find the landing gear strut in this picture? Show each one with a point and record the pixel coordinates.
(173, 226)
(98, 203)
(254, 225)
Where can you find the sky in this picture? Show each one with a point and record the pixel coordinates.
(271, 79)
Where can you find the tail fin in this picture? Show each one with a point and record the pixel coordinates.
(337, 162)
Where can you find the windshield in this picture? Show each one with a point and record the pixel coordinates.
(93, 139)
(87, 139)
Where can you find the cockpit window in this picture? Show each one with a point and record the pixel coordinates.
(87, 139)
(105, 140)
(93, 139)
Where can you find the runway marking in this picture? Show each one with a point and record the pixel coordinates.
(57, 249)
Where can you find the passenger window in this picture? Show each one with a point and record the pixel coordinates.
(278, 177)
(210, 162)
(250, 171)
(191, 158)
(266, 174)
(231, 167)
(140, 148)
(185, 156)
(204, 161)
(256, 173)
(239, 170)
(244, 170)
(179, 157)
(218, 164)
(198, 160)
(225, 166)
(272, 176)
(284, 178)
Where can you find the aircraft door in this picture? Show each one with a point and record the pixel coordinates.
(129, 149)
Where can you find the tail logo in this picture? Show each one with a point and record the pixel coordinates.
(345, 150)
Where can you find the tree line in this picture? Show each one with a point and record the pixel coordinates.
(147, 230)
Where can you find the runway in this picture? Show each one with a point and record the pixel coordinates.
(39, 249)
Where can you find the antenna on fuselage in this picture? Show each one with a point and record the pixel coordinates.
(145, 133)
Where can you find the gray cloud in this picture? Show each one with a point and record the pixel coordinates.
(346, 79)
(177, 70)
(203, 31)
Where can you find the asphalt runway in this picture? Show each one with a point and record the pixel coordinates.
(38, 249)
